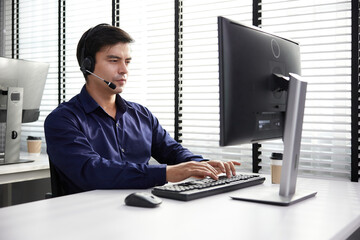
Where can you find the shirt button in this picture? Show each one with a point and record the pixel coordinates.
(123, 150)
(117, 125)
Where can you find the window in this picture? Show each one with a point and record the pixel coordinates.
(323, 29)
(33, 36)
(79, 17)
(199, 79)
(151, 74)
(174, 71)
(32, 33)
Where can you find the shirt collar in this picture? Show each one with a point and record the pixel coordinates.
(121, 104)
(91, 105)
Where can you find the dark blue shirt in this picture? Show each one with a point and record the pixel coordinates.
(91, 150)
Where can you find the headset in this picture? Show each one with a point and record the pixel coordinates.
(88, 62)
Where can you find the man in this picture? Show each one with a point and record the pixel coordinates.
(98, 140)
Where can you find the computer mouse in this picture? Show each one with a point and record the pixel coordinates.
(142, 199)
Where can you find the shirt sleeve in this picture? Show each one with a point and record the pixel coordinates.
(166, 150)
(71, 153)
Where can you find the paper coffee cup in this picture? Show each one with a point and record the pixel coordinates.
(275, 165)
(34, 145)
(275, 172)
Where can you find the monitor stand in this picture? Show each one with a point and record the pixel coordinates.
(14, 107)
(270, 195)
(3, 162)
(292, 141)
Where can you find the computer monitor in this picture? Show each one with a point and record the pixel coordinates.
(252, 101)
(30, 76)
(21, 88)
(262, 97)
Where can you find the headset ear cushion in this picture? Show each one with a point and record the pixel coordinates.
(87, 64)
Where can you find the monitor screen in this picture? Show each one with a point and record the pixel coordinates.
(252, 99)
(30, 76)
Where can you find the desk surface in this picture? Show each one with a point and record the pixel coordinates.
(19, 172)
(333, 214)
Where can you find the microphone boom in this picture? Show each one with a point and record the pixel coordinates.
(110, 84)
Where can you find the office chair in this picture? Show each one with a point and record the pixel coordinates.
(57, 189)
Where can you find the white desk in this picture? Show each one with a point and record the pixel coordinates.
(20, 172)
(333, 214)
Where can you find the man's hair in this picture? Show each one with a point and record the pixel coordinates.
(98, 37)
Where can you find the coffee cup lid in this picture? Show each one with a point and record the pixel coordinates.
(33, 138)
(276, 156)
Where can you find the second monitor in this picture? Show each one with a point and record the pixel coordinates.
(21, 90)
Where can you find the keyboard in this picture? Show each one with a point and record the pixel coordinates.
(195, 189)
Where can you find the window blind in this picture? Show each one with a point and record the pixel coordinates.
(32, 33)
(199, 78)
(6, 50)
(151, 73)
(80, 15)
(323, 29)
(35, 39)
(8, 20)
(324, 32)
(356, 173)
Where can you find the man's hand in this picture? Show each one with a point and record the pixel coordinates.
(182, 171)
(224, 167)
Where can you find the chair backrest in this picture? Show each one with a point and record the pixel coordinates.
(57, 189)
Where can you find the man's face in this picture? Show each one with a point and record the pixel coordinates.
(112, 65)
